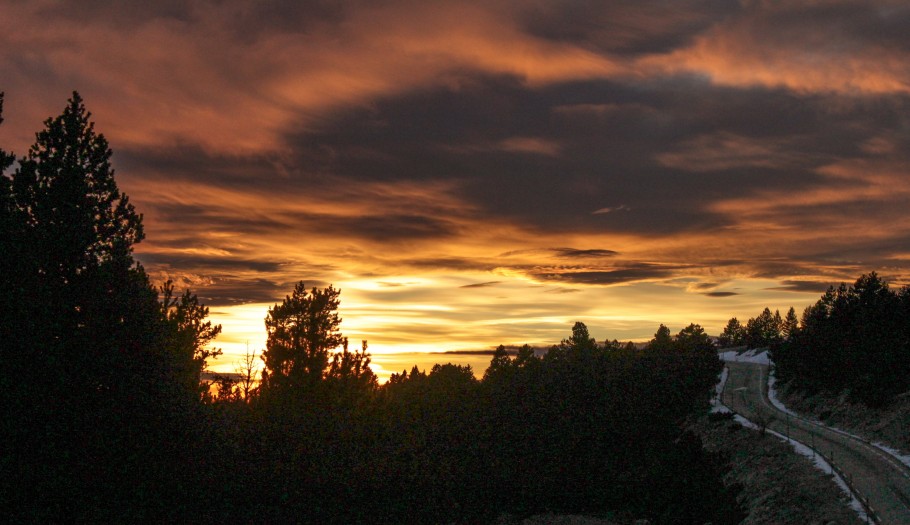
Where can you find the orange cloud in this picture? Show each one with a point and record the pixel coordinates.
(781, 45)
(530, 145)
(171, 81)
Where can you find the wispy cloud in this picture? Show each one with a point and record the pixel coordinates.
(621, 207)
(481, 285)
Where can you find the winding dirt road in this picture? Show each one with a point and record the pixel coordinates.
(879, 478)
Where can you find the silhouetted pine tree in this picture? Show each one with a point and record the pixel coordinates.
(90, 378)
(302, 334)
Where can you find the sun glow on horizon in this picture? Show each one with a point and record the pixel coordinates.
(407, 322)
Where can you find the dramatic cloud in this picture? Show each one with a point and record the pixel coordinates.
(475, 173)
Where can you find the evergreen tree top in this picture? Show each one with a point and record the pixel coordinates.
(66, 192)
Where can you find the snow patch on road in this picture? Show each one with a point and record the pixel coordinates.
(756, 355)
(772, 395)
(745, 422)
(716, 405)
(903, 458)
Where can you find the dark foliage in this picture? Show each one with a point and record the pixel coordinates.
(734, 334)
(762, 331)
(854, 339)
(302, 332)
(585, 428)
(100, 379)
(765, 330)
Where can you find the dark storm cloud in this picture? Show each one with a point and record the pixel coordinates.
(566, 253)
(245, 20)
(625, 27)
(797, 268)
(378, 228)
(663, 154)
(390, 285)
(663, 149)
(120, 13)
(229, 289)
(857, 24)
(563, 290)
(450, 263)
(215, 218)
(189, 162)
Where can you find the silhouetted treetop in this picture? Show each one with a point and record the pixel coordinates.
(350, 371)
(302, 331)
(662, 339)
(791, 324)
(734, 334)
(581, 340)
(65, 188)
(764, 330)
(693, 337)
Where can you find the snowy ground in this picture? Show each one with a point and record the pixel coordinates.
(761, 357)
(756, 355)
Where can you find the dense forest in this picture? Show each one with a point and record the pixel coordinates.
(107, 419)
(855, 339)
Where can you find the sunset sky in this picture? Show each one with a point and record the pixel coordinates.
(477, 173)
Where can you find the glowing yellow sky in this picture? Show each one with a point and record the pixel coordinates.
(435, 317)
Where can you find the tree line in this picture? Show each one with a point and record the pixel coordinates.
(854, 339)
(764, 330)
(107, 419)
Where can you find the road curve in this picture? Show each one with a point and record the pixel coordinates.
(877, 476)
